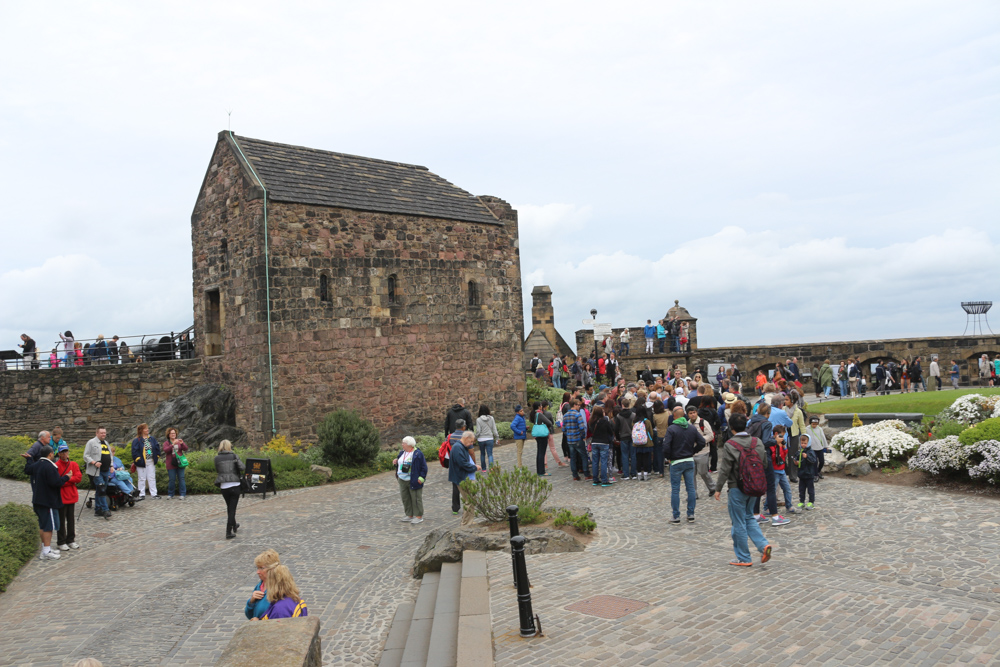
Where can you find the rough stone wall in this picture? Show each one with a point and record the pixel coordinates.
(400, 361)
(82, 399)
(227, 239)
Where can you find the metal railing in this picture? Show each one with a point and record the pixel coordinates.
(90, 351)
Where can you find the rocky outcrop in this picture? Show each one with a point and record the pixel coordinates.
(446, 546)
(283, 642)
(204, 416)
(858, 467)
(322, 470)
(834, 461)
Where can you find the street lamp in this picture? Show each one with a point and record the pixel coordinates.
(593, 314)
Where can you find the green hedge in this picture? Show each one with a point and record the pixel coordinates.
(985, 430)
(18, 540)
(291, 472)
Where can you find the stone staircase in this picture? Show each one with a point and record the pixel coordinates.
(449, 625)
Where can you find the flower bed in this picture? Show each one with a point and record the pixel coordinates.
(945, 455)
(970, 409)
(985, 459)
(881, 442)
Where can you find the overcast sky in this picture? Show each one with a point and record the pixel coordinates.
(790, 171)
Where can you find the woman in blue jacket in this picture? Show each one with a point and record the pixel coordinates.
(411, 472)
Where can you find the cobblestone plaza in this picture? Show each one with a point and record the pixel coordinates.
(877, 574)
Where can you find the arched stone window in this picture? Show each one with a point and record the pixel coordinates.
(473, 293)
(392, 290)
(324, 288)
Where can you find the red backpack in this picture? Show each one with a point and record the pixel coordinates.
(444, 452)
(751, 479)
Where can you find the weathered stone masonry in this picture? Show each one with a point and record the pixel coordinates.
(82, 399)
(400, 336)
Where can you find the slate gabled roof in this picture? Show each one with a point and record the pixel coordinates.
(300, 175)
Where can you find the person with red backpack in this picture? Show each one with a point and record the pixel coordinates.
(741, 466)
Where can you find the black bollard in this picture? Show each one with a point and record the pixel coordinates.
(514, 532)
(523, 592)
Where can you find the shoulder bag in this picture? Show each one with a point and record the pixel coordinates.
(539, 430)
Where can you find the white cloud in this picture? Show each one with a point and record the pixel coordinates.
(534, 220)
(764, 287)
(84, 295)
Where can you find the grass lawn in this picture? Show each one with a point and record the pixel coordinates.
(929, 403)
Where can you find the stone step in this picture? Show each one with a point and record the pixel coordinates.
(443, 647)
(392, 654)
(475, 623)
(418, 636)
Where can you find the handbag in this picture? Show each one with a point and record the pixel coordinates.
(182, 461)
(539, 430)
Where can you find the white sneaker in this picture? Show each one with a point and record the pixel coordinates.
(74, 545)
(407, 519)
(417, 520)
(63, 547)
(52, 555)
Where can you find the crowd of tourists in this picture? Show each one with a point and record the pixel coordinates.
(54, 479)
(69, 352)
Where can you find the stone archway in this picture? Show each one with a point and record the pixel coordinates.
(972, 361)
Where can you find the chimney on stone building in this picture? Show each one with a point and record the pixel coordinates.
(542, 316)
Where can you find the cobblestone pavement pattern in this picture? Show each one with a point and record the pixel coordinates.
(876, 574)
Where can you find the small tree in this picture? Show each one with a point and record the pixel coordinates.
(347, 439)
(494, 491)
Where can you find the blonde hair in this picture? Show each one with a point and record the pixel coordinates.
(281, 585)
(89, 662)
(225, 446)
(267, 559)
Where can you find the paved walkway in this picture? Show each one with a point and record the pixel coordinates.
(878, 574)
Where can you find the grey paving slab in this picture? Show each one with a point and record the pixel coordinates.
(876, 575)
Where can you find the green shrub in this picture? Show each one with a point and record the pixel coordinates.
(347, 439)
(942, 429)
(18, 540)
(984, 430)
(531, 514)
(492, 492)
(503, 428)
(539, 391)
(582, 522)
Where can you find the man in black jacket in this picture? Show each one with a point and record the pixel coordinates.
(46, 496)
(680, 444)
(456, 412)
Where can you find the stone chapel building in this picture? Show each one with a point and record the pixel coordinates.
(388, 290)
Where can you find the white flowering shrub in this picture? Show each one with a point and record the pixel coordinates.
(944, 455)
(996, 409)
(881, 442)
(969, 409)
(985, 461)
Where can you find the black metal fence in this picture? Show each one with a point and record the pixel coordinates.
(74, 353)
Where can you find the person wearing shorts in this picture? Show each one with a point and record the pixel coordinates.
(46, 496)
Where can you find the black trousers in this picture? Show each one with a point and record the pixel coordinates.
(820, 460)
(232, 498)
(542, 443)
(713, 455)
(456, 498)
(806, 484)
(67, 524)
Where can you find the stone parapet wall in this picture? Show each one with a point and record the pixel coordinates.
(82, 399)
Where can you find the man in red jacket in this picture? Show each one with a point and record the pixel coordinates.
(66, 535)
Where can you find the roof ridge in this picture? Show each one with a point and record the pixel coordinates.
(325, 152)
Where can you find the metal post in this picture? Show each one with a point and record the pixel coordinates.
(527, 620)
(514, 532)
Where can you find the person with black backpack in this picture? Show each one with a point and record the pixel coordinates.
(741, 466)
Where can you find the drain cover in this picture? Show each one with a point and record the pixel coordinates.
(102, 536)
(607, 606)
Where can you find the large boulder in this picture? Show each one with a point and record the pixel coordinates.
(834, 461)
(446, 546)
(858, 467)
(205, 416)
